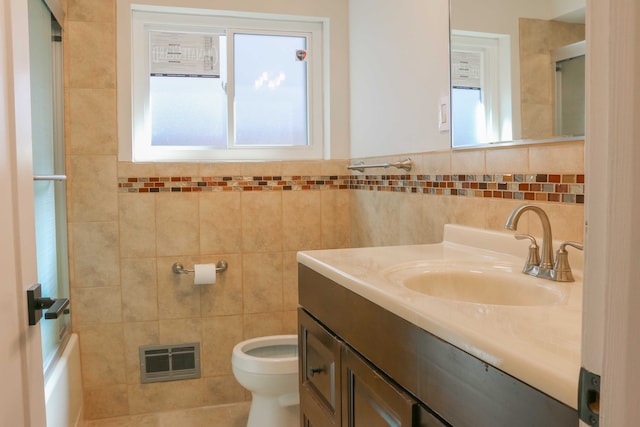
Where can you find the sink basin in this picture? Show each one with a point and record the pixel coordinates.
(491, 285)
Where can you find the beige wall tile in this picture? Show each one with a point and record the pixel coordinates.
(301, 225)
(219, 335)
(92, 188)
(105, 401)
(335, 167)
(180, 331)
(557, 158)
(436, 163)
(436, 211)
(567, 222)
(165, 396)
(468, 161)
(290, 280)
(96, 260)
(92, 54)
(177, 224)
(261, 169)
(262, 288)
(102, 355)
(130, 169)
(92, 124)
(507, 160)
(409, 218)
(302, 168)
(335, 219)
(220, 222)
(139, 289)
(364, 218)
(290, 322)
(262, 221)
(263, 324)
(96, 305)
(137, 334)
(221, 169)
(178, 169)
(91, 10)
(178, 297)
(467, 211)
(497, 211)
(225, 297)
(137, 225)
(221, 390)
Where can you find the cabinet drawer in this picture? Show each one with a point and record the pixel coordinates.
(319, 366)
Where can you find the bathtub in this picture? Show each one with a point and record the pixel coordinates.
(63, 388)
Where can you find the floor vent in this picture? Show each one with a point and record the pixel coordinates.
(169, 362)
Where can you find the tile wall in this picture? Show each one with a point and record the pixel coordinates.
(393, 217)
(122, 244)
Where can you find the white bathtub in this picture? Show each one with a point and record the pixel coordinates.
(63, 388)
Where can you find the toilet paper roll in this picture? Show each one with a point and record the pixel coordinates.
(204, 274)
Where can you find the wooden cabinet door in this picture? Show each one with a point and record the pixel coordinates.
(370, 400)
(319, 357)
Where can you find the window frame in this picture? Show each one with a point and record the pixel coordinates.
(133, 81)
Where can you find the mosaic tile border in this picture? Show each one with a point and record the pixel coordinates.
(562, 188)
(186, 184)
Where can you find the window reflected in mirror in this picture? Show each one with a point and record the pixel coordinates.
(517, 71)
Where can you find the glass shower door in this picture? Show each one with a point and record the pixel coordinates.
(45, 45)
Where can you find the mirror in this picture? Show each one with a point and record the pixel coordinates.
(517, 71)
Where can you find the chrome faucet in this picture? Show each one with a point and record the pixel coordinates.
(544, 265)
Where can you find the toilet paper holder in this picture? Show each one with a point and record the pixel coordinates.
(177, 268)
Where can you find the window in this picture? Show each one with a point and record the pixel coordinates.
(207, 86)
(480, 88)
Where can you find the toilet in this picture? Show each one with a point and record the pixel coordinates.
(268, 368)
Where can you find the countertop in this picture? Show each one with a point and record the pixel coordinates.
(539, 345)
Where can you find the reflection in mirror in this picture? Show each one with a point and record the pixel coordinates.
(517, 71)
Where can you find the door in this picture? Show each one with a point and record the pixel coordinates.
(22, 387)
(610, 345)
(370, 400)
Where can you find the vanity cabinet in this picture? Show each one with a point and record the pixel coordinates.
(363, 366)
(340, 388)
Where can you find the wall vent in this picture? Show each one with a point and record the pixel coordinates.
(169, 362)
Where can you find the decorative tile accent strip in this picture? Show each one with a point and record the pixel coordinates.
(187, 184)
(531, 187)
(563, 188)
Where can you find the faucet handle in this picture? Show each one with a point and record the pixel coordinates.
(533, 258)
(576, 245)
(561, 268)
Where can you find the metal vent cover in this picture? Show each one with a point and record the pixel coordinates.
(169, 362)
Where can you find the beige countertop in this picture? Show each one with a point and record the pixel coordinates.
(540, 345)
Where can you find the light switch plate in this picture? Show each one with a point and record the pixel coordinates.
(444, 114)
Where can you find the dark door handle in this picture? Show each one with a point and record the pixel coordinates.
(36, 303)
(57, 308)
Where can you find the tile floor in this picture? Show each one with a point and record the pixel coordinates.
(212, 416)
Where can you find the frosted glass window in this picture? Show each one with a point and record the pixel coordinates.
(468, 110)
(188, 111)
(209, 87)
(270, 90)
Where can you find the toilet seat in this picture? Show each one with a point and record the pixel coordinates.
(277, 354)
